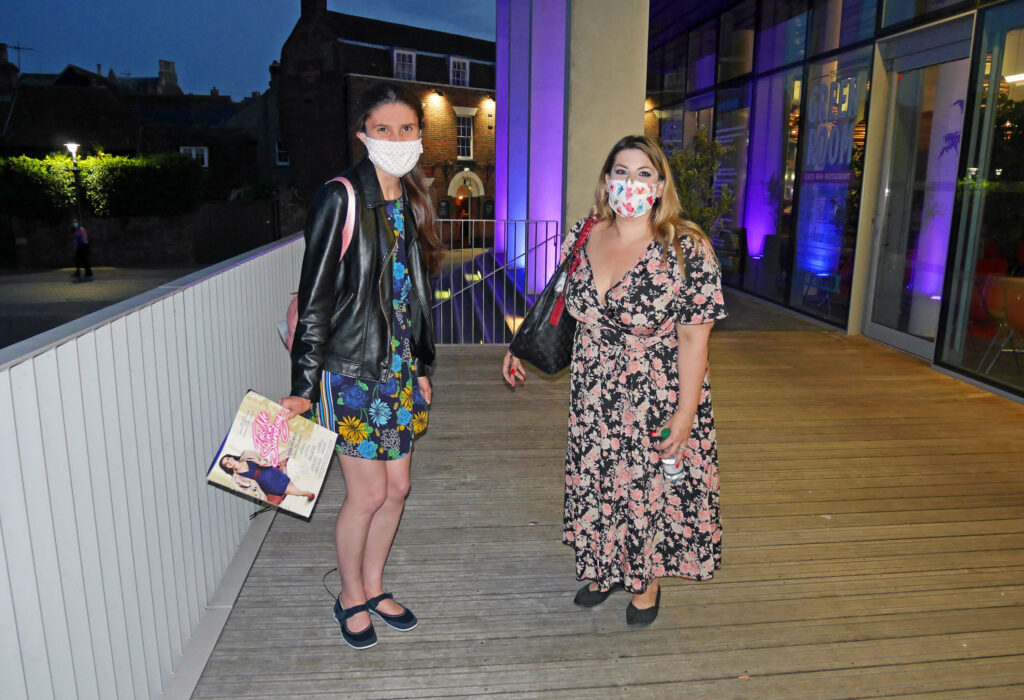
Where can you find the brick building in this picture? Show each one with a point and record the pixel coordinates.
(330, 58)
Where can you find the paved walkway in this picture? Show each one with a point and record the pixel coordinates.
(36, 301)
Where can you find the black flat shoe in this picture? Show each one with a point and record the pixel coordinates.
(637, 617)
(403, 621)
(586, 598)
(357, 640)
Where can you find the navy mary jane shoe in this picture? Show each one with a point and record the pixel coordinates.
(357, 640)
(403, 621)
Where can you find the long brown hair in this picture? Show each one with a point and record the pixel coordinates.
(667, 219)
(382, 94)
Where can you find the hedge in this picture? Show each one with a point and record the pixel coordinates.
(151, 185)
(36, 189)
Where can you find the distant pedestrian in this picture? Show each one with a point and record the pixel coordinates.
(81, 251)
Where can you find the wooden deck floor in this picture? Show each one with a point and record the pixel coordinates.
(874, 545)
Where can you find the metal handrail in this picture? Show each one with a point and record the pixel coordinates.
(493, 272)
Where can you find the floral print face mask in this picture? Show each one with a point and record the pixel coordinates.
(629, 198)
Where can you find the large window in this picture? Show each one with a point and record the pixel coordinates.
(783, 36)
(732, 131)
(832, 135)
(896, 11)
(698, 113)
(736, 42)
(772, 175)
(674, 67)
(460, 72)
(405, 65)
(837, 23)
(700, 63)
(983, 329)
(464, 139)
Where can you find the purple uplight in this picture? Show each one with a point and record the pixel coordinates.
(529, 131)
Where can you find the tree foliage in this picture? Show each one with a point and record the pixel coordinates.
(693, 169)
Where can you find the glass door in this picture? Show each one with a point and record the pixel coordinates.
(927, 91)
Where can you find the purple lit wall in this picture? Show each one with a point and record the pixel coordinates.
(529, 130)
(765, 160)
(939, 189)
(547, 152)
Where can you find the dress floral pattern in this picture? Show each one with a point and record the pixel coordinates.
(380, 420)
(626, 522)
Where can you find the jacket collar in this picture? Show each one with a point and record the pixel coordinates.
(372, 194)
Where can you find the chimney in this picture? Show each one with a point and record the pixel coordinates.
(255, 94)
(99, 69)
(313, 7)
(214, 91)
(167, 77)
(3, 53)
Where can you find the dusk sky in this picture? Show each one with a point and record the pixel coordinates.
(222, 43)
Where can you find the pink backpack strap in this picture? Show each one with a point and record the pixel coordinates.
(350, 215)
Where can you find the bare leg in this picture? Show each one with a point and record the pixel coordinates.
(647, 598)
(382, 533)
(294, 490)
(365, 492)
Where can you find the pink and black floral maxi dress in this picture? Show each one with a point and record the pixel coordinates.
(626, 522)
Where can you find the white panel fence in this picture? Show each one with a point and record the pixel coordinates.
(111, 543)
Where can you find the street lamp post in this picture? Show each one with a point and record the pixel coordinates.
(73, 150)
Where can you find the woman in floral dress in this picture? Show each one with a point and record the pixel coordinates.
(363, 348)
(645, 295)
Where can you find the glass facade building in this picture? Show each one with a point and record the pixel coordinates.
(875, 152)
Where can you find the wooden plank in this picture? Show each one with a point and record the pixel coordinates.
(856, 561)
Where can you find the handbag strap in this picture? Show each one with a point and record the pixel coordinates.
(350, 214)
(581, 240)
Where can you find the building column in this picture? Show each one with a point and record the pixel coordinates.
(565, 96)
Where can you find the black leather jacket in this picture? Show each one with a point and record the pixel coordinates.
(345, 309)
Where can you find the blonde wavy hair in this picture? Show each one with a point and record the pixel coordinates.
(667, 219)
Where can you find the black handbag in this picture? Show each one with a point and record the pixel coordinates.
(544, 338)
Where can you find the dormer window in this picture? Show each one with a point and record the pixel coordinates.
(459, 72)
(405, 64)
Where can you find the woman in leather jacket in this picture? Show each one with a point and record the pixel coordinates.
(363, 349)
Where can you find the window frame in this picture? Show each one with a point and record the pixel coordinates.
(279, 149)
(452, 61)
(203, 153)
(395, 54)
(471, 120)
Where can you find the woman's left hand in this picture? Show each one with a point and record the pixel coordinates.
(673, 445)
(425, 388)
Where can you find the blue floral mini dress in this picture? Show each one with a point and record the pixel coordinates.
(380, 420)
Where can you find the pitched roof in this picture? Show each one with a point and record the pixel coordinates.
(45, 117)
(375, 31)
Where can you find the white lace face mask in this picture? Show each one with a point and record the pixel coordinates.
(396, 158)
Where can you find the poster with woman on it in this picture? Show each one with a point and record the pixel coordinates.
(275, 462)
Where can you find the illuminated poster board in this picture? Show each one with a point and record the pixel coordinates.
(832, 156)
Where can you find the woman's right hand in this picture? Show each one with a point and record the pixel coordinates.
(512, 368)
(294, 406)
